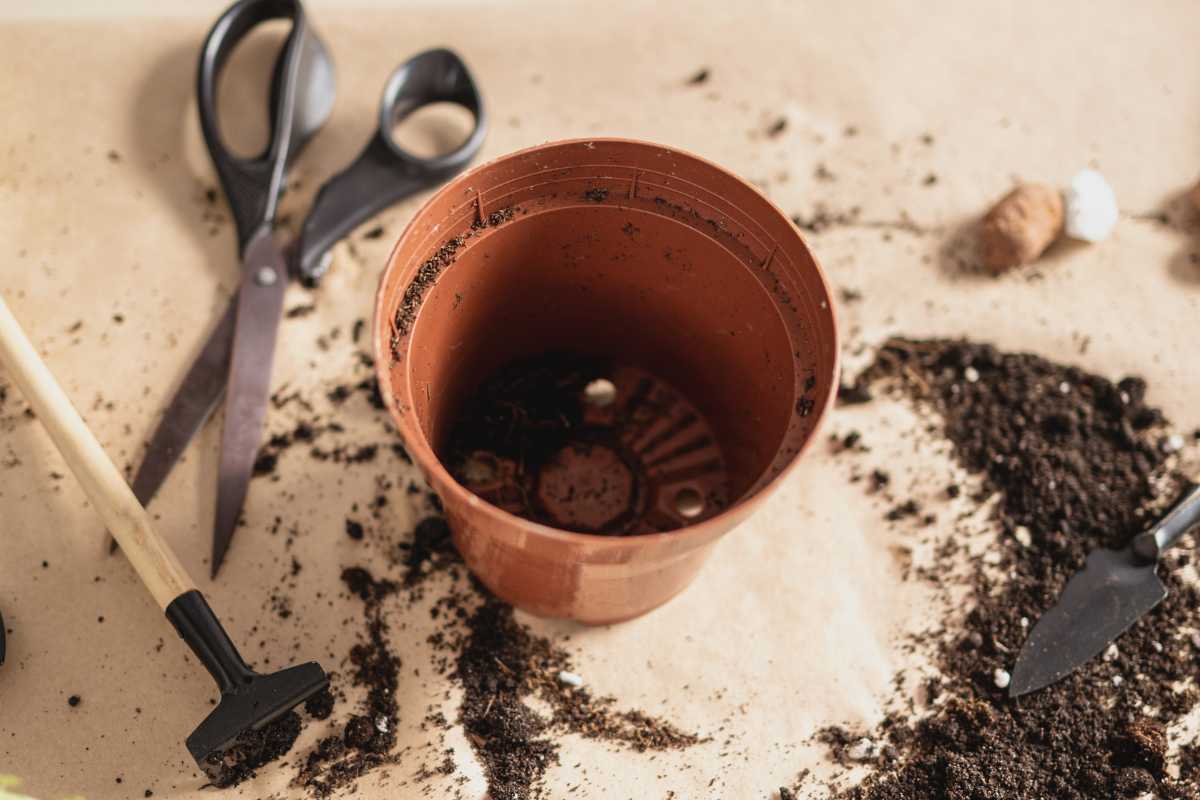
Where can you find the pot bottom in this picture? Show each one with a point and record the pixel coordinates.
(588, 444)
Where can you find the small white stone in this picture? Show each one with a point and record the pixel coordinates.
(862, 750)
(1158, 648)
(1001, 678)
(1064, 388)
(971, 374)
(1111, 653)
(1173, 443)
(1024, 622)
(381, 724)
(1118, 680)
(1023, 536)
(1090, 207)
(570, 678)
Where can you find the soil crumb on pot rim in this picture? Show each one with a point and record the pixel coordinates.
(428, 273)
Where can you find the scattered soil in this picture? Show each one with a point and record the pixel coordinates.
(823, 218)
(474, 633)
(308, 432)
(320, 705)
(1078, 462)
(700, 77)
(367, 738)
(300, 311)
(430, 549)
(253, 749)
(501, 664)
(852, 394)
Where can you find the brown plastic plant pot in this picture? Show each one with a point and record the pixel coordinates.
(699, 292)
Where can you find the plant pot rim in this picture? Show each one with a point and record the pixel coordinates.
(421, 450)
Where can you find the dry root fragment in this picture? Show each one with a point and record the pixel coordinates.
(1020, 227)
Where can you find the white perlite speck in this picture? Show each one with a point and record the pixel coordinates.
(1118, 680)
(862, 750)
(381, 724)
(1173, 443)
(1023, 536)
(1001, 678)
(570, 678)
(971, 374)
(1090, 207)
(1111, 653)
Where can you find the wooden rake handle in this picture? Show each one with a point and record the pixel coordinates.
(129, 523)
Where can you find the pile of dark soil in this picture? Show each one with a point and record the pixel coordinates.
(1079, 462)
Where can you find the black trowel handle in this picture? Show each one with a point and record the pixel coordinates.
(1183, 517)
(198, 626)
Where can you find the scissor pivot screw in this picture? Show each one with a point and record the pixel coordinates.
(265, 276)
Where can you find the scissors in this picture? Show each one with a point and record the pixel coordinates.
(238, 354)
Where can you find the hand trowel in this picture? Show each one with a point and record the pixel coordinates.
(1112, 591)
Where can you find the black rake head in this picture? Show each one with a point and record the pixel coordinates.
(252, 723)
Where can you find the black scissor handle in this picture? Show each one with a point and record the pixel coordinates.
(302, 92)
(384, 172)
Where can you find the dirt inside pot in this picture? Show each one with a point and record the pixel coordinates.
(587, 444)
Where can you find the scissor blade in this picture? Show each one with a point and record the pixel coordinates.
(259, 308)
(189, 409)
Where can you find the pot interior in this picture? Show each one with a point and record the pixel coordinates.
(696, 351)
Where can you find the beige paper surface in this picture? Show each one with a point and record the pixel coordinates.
(797, 620)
